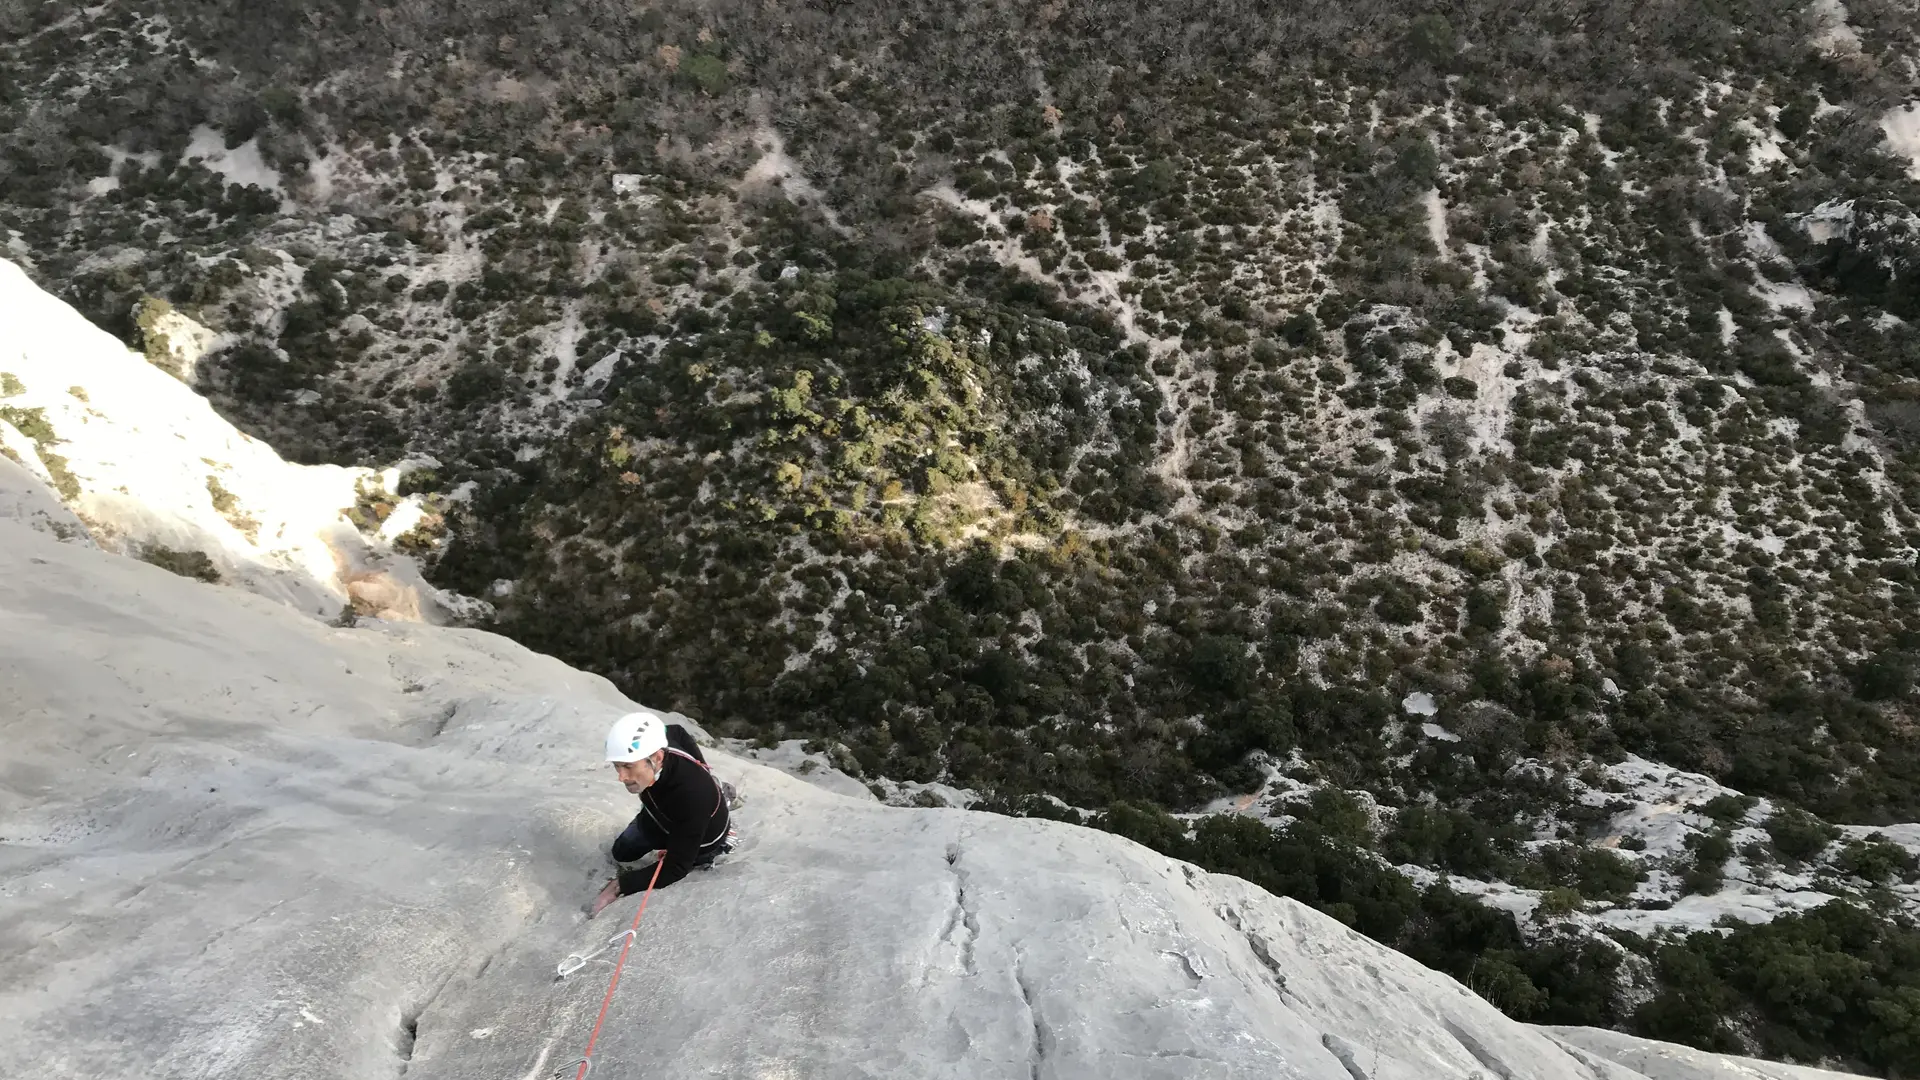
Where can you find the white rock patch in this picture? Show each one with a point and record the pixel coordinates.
(241, 165)
(1902, 126)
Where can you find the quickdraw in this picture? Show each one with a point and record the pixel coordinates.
(575, 961)
(585, 1060)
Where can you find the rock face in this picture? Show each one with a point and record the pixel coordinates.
(240, 842)
(148, 465)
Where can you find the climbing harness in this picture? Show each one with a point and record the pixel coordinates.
(585, 1060)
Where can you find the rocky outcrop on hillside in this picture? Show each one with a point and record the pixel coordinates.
(144, 466)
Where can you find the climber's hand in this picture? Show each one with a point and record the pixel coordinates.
(608, 894)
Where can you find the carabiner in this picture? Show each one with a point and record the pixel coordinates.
(575, 961)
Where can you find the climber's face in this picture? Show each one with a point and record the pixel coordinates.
(638, 776)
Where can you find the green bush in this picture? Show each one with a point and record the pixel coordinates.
(1835, 985)
(34, 425)
(223, 500)
(1398, 604)
(1799, 836)
(1486, 609)
(707, 73)
(1338, 816)
(191, 564)
(1431, 38)
(153, 341)
(1878, 862)
(1706, 874)
(1594, 873)
(1603, 875)
(1885, 677)
(1559, 901)
(1147, 825)
(1728, 809)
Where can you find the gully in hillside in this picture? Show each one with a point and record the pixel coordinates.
(683, 819)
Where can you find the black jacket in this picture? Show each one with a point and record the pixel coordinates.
(683, 812)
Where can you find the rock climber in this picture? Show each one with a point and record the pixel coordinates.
(683, 807)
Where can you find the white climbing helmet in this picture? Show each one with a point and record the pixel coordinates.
(636, 735)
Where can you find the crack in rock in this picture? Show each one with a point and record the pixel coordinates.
(1186, 964)
(1594, 1067)
(487, 962)
(1264, 954)
(1163, 1055)
(446, 717)
(1042, 1038)
(236, 928)
(409, 1033)
(1480, 1053)
(962, 915)
(1261, 950)
(1347, 1053)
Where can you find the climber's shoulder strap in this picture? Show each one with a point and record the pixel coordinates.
(682, 753)
(719, 796)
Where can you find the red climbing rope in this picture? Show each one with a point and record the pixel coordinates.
(586, 1059)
